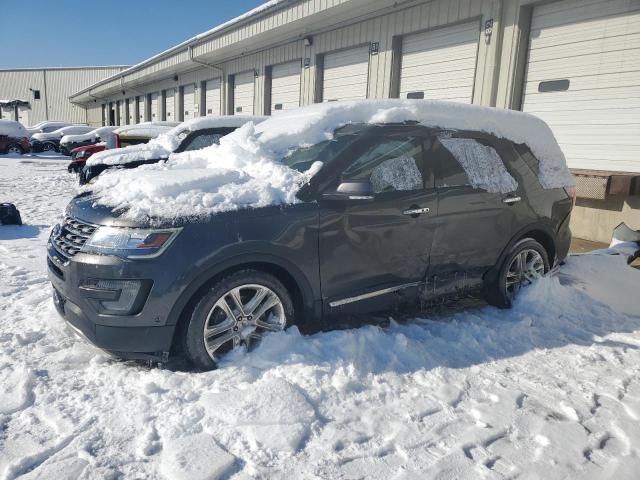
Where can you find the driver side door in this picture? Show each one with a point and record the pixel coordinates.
(374, 247)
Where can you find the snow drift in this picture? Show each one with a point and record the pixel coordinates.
(255, 152)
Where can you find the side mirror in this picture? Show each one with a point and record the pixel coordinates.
(362, 191)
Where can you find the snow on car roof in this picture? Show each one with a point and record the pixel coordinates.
(245, 169)
(93, 134)
(12, 128)
(61, 132)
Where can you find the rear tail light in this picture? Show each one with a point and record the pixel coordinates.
(571, 191)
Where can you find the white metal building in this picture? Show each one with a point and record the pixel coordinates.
(575, 63)
(43, 93)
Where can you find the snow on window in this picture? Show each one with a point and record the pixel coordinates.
(482, 164)
(398, 174)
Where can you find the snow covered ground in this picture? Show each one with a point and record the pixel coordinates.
(548, 389)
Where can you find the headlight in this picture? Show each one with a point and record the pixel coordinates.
(130, 242)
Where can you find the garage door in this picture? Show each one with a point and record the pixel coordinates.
(285, 87)
(23, 115)
(141, 107)
(155, 104)
(169, 105)
(346, 75)
(243, 93)
(212, 97)
(189, 102)
(440, 64)
(132, 111)
(583, 79)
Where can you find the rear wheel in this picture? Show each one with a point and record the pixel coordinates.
(48, 147)
(15, 149)
(527, 261)
(236, 313)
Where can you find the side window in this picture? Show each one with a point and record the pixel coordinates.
(390, 164)
(468, 161)
(202, 141)
(450, 171)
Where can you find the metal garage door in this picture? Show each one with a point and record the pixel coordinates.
(120, 112)
(583, 79)
(285, 86)
(346, 75)
(189, 102)
(169, 105)
(440, 64)
(155, 113)
(212, 97)
(243, 93)
(131, 103)
(141, 109)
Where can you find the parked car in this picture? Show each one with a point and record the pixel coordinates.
(13, 138)
(101, 134)
(323, 211)
(193, 134)
(47, 126)
(128, 135)
(46, 142)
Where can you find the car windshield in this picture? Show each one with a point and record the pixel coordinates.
(302, 158)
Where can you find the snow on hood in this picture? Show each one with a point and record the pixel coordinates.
(244, 170)
(12, 129)
(98, 133)
(167, 141)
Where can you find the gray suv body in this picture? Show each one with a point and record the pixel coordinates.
(358, 241)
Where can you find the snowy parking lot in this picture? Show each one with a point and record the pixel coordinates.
(550, 388)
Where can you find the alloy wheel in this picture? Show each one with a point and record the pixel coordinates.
(526, 266)
(14, 150)
(47, 147)
(241, 317)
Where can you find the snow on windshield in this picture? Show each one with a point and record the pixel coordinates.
(199, 182)
(482, 164)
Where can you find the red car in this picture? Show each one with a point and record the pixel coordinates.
(13, 138)
(79, 156)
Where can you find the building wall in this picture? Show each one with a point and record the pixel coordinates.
(503, 32)
(56, 85)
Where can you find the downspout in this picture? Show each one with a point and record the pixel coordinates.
(46, 99)
(223, 80)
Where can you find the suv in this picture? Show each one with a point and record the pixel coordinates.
(395, 215)
(70, 142)
(13, 138)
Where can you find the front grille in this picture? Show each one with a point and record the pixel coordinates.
(72, 236)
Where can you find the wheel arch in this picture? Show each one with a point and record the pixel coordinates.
(292, 278)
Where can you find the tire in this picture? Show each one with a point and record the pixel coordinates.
(531, 253)
(15, 149)
(239, 329)
(48, 147)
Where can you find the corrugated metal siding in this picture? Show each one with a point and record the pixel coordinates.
(60, 84)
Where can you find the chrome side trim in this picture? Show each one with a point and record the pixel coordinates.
(376, 293)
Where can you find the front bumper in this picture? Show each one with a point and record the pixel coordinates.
(144, 335)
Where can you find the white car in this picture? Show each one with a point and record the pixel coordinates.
(46, 127)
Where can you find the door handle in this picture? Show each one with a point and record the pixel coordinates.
(511, 200)
(415, 211)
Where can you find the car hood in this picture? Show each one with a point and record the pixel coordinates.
(45, 136)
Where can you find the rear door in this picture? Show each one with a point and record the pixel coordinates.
(375, 253)
(478, 201)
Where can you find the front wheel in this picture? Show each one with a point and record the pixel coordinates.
(48, 147)
(236, 313)
(15, 149)
(526, 261)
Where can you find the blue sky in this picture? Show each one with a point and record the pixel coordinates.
(57, 33)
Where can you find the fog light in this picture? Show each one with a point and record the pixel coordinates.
(128, 291)
(117, 297)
